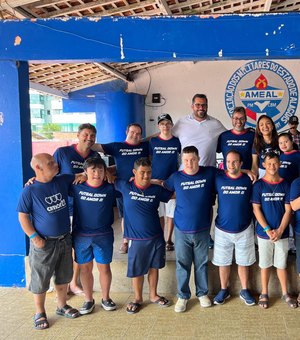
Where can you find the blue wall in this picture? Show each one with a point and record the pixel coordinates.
(114, 110)
(15, 153)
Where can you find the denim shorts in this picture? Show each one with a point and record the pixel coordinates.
(145, 254)
(54, 259)
(98, 247)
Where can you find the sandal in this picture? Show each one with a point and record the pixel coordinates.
(263, 301)
(40, 321)
(133, 307)
(290, 302)
(162, 302)
(169, 246)
(68, 312)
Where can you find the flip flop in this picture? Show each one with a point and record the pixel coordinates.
(162, 302)
(133, 307)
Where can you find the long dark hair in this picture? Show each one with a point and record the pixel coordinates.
(259, 142)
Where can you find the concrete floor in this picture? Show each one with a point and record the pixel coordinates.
(233, 320)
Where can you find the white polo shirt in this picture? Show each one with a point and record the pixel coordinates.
(203, 135)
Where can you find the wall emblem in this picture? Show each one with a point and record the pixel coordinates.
(263, 87)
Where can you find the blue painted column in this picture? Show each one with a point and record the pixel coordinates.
(15, 155)
(115, 111)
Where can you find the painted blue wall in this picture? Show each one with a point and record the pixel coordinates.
(15, 154)
(114, 110)
(246, 36)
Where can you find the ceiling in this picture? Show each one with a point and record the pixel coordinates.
(72, 77)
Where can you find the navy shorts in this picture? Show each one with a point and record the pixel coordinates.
(54, 259)
(297, 241)
(98, 247)
(143, 255)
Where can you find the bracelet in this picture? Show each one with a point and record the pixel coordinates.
(33, 235)
(266, 228)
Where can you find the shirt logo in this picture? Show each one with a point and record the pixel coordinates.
(265, 88)
(55, 202)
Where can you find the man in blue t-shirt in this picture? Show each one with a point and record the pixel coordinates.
(234, 230)
(295, 204)
(125, 154)
(164, 151)
(70, 160)
(44, 217)
(194, 188)
(238, 138)
(271, 207)
(146, 247)
(92, 232)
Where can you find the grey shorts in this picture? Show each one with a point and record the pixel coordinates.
(273, 253)
(55, 259)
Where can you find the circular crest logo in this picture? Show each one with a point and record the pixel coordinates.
(263, 87)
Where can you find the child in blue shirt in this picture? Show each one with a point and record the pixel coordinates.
(271, 207)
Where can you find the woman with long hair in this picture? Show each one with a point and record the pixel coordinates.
(265, 140)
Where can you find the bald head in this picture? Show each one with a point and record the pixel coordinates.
(44, 166)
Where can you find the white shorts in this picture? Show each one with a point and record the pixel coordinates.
(226, 243)
(273, 253)
(167, 209)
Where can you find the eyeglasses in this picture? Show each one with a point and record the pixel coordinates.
(200, 105)
(239, 119)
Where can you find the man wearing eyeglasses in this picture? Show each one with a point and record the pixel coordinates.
(238, 138)
(201, 130)
(293, 125)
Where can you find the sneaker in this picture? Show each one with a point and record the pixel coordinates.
(204, 301)
(220, 298)
(124, 248)
(108, 304)
(87, 307)
(246, 296)
(180, 306)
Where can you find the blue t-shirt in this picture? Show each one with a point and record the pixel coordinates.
(47, 203)
(290, 165)
(125, 155)
(141, 220)
(294, 194)
(234, 206)
(93, 209)
(194, 198)
(272, 197)
(261, 157)
(69, 159)
(230, 140)
(165, 154)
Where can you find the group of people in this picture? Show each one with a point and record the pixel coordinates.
(147, 183)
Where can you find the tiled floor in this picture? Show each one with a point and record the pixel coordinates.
(233, 320)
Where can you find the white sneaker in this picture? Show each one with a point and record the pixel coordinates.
(180, 305)
(204, 301)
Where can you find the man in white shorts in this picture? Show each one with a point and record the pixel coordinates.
(234, 229)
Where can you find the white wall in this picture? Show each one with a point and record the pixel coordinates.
(178, 82)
